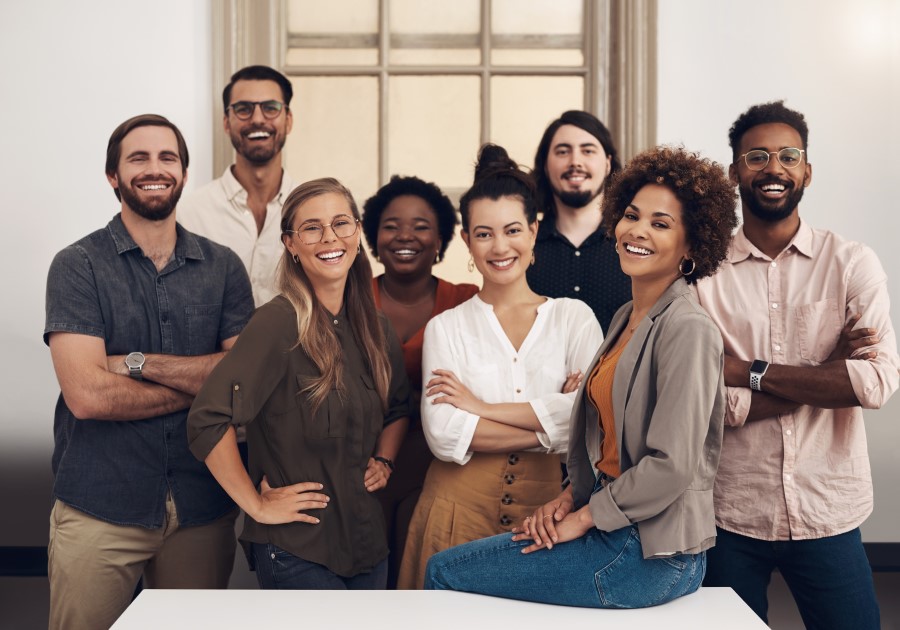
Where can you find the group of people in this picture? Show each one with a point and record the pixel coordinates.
(703, 386)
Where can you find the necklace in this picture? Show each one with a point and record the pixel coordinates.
(403, 304)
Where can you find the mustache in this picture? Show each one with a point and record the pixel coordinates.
(575, 171)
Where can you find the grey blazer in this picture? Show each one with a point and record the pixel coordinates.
(669, 402)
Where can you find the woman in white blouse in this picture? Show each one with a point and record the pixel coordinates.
(501, 370)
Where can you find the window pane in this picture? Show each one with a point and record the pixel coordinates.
(434, 33)
(434, 128)
(334, 16)
(537, 57)
(518, 118)
(332, 57)
(537, 17)
(415, 16)
(335, 132)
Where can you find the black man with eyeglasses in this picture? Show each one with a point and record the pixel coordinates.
(809, 344)
(242, 208)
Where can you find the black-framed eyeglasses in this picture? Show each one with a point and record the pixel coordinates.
(244, 109)
(789, 157)
(343, 226)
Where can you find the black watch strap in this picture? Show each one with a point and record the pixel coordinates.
(384, 460)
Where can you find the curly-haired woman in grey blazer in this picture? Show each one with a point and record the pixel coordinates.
(632, 528)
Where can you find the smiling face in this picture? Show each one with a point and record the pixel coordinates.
(408, 238)
(259, 140)
(328, 261)
(500, 239)
(772, 194)
(651, 238)
(577, 166)
(150, 175)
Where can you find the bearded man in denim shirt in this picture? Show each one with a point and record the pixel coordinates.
(138, 314)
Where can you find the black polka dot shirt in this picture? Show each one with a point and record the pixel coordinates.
(590, 273)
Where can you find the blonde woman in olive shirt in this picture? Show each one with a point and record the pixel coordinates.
(317, 377)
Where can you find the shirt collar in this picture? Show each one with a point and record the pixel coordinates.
(186, 243)
(742, 248)
(233, 187)
(547, 230)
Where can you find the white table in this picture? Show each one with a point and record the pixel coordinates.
(431, 610)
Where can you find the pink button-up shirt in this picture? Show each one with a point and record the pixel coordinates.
(803, 474)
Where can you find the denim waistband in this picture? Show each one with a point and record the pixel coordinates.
(602, 481)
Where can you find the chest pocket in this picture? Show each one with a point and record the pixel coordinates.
(330, 420)
(818, 327)
(202, 327)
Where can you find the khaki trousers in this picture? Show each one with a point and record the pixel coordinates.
(94, 566)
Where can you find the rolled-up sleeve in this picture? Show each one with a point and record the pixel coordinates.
(240, 384)
(873, 380)
(448, 430)
(583, 336)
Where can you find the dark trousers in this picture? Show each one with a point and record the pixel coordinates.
(279, 569)
(830, 578)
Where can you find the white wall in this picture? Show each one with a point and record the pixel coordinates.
(839, 64)
(71, 72)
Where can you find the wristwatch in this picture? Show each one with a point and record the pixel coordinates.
(135, 364)
(757, 371)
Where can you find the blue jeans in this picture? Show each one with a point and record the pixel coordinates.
(598, 570)
(279, 569)
(830, 578)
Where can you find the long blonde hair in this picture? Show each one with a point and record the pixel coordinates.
(315, 333)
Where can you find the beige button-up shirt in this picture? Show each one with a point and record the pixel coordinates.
(219, 211)
(804, 474)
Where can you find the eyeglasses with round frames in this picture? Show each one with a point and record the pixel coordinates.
(244, 109)
(757, 159)
(312, 233)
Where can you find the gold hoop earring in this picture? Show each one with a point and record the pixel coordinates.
(616, 246)
(471, 265)
(681, 266)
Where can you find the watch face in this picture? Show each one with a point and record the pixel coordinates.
(134, 360)
(759, 367)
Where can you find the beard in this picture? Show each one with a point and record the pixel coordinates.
(154, 209)
(578, 198)
(258, 153)
(768, 211)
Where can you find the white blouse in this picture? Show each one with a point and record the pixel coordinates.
(470, 342)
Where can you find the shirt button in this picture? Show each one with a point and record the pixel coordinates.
(577, 253)
(506, 500)
(788, 431)
(774, 306)
(774, 264)
(509, 478)
(518, 391)
(787, 477)
(577, 289)
(335, 321)
(159, 281)
(513, 459)
(237, 387)
(505, 521)
(777, 347)
(515, 359)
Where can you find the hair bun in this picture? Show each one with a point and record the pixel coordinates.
(493, 159)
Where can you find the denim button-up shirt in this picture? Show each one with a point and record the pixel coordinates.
(105, 287)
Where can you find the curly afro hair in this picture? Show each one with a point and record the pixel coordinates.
(399, 186)
(707, 197)
(765, 113)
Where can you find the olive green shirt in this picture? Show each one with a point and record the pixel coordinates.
(258, 384)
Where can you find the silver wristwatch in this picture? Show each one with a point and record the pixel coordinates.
(757, 371)
(135, 364)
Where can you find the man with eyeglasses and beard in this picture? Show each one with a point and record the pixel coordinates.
(573, 257)
(242, 208)
(138, 314)
(809, 343)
